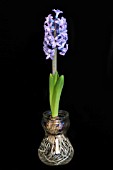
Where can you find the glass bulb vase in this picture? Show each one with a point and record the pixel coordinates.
(55, 148)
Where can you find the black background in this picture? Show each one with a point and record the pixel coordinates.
(88, 90)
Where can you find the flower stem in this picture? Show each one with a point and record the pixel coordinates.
(54, 62)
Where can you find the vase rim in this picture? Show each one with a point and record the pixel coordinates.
(61, 113)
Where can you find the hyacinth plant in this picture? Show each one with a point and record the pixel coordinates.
(55, 40)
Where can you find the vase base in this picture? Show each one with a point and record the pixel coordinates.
(55, 150)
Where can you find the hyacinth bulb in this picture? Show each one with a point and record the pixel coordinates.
(55, 36)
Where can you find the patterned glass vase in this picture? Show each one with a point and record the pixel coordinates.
(55, 148)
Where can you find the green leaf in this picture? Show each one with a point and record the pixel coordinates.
(51, 89)
(52, 81)
(56, 95)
